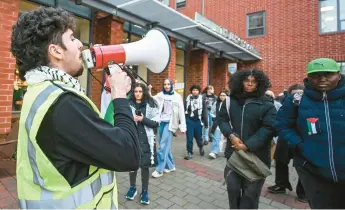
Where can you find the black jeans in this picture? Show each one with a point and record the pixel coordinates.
(322, 194)
(144, 178)
(242, 194)
(282, 179)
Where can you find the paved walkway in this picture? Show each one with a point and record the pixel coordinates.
(197, 184)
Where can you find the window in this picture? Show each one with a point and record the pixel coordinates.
(256, 24)
(180, 73)
(82, 33)
(180, 4)
(342, 67)
(332, 15)
(166, 2)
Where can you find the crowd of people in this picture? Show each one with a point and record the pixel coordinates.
(67, 154)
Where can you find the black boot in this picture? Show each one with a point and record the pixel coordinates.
(189, 156)
(276, 189)
(202, 152)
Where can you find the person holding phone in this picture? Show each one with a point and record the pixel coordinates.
(145, 112)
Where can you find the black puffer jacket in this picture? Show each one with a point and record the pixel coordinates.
(144, 144)
(252, 120)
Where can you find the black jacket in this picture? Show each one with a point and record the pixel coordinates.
(73, 137)
(252, 122)
(144, 143)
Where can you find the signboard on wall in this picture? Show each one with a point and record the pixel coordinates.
(232, 68)
(224, 32)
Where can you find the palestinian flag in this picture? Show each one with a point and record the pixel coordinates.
(107, 107)
(312, 127)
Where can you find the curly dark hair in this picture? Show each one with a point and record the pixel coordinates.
(195, 87)
(236, 81)
(146, 95)
(34, 32)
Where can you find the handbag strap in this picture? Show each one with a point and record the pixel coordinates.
(227, 103)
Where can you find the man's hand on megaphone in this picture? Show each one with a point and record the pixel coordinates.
(120, 83)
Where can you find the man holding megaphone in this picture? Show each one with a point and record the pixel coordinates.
(66, 152)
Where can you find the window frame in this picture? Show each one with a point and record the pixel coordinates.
(180, 7)
(263, 12)
(338, 19)
(163, 2)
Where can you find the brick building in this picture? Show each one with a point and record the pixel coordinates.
(208, 39)
(288, 33)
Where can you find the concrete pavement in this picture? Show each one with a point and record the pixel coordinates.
(196, 184)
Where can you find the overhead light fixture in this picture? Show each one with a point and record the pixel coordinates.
(327, 8)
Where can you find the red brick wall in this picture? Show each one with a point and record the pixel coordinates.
(292, 35)
(106, 31)
(157, 80)
(8, 17)
(220, 75)
(197, 73)
(191, 7)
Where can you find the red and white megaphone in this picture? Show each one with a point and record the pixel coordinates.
(153, 51)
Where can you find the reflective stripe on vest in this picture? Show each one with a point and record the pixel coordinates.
(78, 198)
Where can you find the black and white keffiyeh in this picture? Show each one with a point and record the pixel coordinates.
(45, 73)
(194, 104)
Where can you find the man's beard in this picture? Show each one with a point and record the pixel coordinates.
(79, 72)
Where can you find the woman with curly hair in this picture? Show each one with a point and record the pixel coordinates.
(252, 115)
(146, 114)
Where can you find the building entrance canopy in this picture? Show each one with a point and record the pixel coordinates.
(201, 32)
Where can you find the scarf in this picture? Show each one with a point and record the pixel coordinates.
(152, 113)
(171, 91)
(45, 73)
(195, 104)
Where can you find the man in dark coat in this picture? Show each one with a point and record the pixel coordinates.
(283, 154)
(313, 125)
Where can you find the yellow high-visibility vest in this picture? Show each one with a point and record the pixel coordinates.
(39, 183)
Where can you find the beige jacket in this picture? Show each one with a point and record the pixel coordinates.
(178, 119)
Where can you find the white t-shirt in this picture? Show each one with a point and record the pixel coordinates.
(167, 108)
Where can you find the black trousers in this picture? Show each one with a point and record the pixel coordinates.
(242, 194)
(144, 178)
(321, 193)
(282, 179)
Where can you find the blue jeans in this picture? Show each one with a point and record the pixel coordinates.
(164, 156)
(194, 130)
(205, 130)
(215, 141)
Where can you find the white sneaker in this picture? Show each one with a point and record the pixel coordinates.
(169, 170)
(156, 174)
(212, 155)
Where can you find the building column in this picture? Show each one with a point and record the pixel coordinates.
(220, 75)
(8, 17)
(107, 31)
(197, 73)
(157, 80)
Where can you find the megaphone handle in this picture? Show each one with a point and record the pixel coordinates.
(112, 68)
